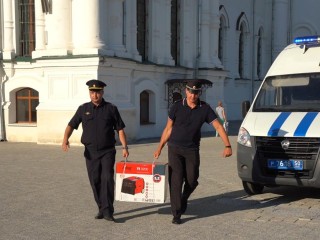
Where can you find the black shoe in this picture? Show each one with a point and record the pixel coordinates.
(176, 220)
(99, 215)
(109, 218)
(184, 205)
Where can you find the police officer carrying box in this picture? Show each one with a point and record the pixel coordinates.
(100, 120)
(183, 133)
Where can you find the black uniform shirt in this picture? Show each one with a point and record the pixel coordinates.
(98, 124)
(186, 130)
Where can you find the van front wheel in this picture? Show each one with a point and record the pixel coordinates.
(252, 188)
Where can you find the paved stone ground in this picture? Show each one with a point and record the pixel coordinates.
(45, 194)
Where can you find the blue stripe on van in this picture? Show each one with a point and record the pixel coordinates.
(305, 124)
(275, 128)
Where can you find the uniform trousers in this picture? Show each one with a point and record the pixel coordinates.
(184, 166)
(100, 167)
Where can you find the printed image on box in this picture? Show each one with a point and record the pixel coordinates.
(132, 185)
(141, 182)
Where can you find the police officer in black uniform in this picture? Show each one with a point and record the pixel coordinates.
(100, 120)
(183, 133)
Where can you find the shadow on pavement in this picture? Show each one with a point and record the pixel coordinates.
(228, 202)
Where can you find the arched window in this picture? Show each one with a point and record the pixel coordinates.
(221, 39)
(175, 25)
(147, 107)
(241, 52)
(243, 46)
(144, 107)
(224, 25)
(27, 27)
(27, 100)
(142, 29)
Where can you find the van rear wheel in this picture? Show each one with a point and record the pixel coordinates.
(252, 188)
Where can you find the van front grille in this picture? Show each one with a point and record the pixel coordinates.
(305, 149)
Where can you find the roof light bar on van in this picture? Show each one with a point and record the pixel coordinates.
(307, 40)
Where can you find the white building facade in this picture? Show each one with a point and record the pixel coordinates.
(142, 50)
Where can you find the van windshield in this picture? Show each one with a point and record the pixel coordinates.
(290, 93)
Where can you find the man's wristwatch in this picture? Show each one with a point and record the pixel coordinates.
(228, 146)
(126, 147)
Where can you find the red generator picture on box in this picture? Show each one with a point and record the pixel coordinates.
(132, 185)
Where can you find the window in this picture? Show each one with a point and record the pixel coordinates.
(221, 38)
(175, 23)
(243, 46)
(124, 26)
(147, 107)
(289, 93)
(27, 100)
(27, 27)
(144, 107)
(241, 52)
(142, 39)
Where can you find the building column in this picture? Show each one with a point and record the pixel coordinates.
(58, 25)
(214, 34)
(86, 17)
(236, 59)
(40, 30)
(8, 48)
(280, 26)
(254, 60)
(2, 132)
(131, 29)
(161, 32)
(115, 28)
(188, 43)
(204, 25)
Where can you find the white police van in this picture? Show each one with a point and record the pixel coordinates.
(279, 138)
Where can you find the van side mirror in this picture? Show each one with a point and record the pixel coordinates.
(245, 108)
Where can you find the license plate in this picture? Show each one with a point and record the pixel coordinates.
(285, 164)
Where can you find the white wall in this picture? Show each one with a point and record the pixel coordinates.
(80, 40)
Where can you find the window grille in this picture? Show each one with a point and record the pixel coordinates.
(27, 27)
(142, 29)
(175, 25)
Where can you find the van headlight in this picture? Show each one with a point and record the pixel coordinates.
(244, 137)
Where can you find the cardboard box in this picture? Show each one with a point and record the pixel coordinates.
(141, 182)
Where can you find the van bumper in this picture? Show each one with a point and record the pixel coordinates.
(250, 170)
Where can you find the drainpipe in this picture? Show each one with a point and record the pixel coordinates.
(272, 31)
(253, 52)
(2, 122)
(290, 23)
(198, 42)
